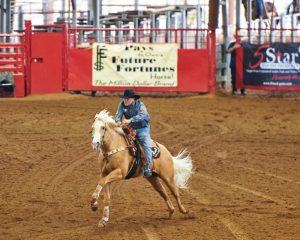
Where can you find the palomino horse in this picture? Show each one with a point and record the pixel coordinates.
(115, 162)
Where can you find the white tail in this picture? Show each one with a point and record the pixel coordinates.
(183, 168)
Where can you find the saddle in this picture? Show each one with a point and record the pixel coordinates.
(130, 137)
(135, 147)
(138, 152)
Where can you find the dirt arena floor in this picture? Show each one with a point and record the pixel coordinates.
(245, 150)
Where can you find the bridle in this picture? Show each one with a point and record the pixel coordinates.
(102, 139)
(101, 143)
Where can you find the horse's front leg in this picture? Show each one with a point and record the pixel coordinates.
(106, 203)
(95, 196)
(111, 177)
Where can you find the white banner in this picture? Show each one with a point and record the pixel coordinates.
(142, 65)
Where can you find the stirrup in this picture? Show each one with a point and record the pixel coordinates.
(147, 174)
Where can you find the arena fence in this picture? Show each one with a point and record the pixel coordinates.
(270, 55)
(53, 58)
(196, 56)
(12, 65)
(284, 29)
(185, 38)
(56, 59)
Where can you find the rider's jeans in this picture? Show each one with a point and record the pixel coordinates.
(143, 135)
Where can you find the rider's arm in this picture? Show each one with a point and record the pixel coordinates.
(142, 118)
(119, 114)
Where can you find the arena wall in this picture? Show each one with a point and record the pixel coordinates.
(193, 72)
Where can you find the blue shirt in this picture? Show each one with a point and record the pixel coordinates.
(137, 112)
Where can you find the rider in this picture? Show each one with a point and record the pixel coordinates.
(136, 116)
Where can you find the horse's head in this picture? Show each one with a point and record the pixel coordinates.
(100, 127)
(98, 132)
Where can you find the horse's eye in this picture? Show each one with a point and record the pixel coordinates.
(102, 128)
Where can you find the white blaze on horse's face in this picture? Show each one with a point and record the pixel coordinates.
(98, 132)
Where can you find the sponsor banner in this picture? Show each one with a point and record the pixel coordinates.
(140, 65)
(271, 66)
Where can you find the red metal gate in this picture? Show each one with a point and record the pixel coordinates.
(12, 59)
(46, 58)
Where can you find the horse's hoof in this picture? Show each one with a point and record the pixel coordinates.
(94, 205)
(102, 223)
(185, 211)
(94, 208)
(171, 213)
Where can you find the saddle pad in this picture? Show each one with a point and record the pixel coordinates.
(155, 152)
(136, 162)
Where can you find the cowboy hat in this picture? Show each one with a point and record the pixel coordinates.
(129, 93)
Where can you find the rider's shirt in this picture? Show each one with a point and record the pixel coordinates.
(137, 112)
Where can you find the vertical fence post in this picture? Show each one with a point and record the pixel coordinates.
(273, 27)
(261, 32)
(136, 25)
(28, 36)
(183, 27)
(65, 57)
(168, 26)
(199, 34)
(249, 16)
(282, 32)
(119, 32)
(152, 26)
(294, 26)
(212, 56)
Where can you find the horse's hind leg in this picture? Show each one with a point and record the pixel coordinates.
(157, 185)
(173, 188)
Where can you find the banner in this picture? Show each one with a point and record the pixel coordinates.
(140, 65)
(270, 66)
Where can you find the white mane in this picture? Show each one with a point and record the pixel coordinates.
(105, 117)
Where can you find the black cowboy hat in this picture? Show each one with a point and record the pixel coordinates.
(129, 93)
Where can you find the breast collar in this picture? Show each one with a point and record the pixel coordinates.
(114, 151)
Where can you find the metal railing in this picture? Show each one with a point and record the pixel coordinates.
(12, 53)
(185, 38)
(284, 29)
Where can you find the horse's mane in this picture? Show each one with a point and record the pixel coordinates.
(105, 117)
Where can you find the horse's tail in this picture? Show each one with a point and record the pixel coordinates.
(183, 168)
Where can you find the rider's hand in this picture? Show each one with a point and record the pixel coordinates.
(126, 121)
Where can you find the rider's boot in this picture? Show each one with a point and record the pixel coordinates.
(147, 172)
(147, 168)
